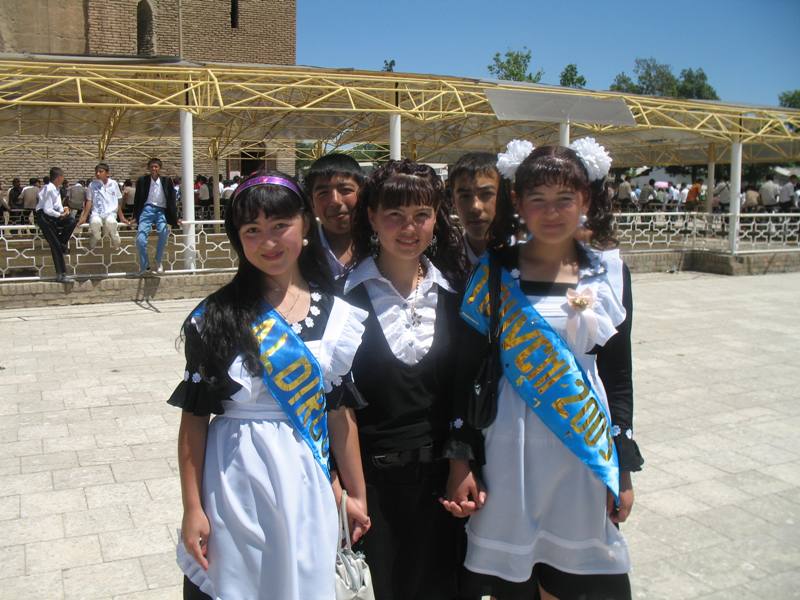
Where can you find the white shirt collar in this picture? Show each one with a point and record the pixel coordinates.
(367, 270)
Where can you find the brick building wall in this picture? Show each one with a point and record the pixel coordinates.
(266, 31)
(36, 160)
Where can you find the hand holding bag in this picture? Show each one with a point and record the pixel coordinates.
(353, 580)
(482, 408)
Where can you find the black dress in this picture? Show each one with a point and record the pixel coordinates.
(415, 548)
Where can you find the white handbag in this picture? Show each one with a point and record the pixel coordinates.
(353, 581)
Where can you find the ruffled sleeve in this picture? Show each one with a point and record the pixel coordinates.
(614, 365)
(199, 393)
(602, 292)
(337, 349)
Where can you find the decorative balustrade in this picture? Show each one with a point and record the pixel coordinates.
(201, 245)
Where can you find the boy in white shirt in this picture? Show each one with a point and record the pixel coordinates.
(56, 222)
(104, 207)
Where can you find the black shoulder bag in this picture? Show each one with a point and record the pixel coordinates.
(482, 408)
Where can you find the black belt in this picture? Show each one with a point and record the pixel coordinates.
(402, 458)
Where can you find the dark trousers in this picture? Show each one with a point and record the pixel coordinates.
(415, 548)
(57, 233)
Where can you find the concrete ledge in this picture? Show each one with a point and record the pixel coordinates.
(118, 289)
(745, 264)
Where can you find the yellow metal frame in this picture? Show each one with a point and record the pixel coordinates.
(127, 103)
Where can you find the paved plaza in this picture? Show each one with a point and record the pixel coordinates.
(90, 498)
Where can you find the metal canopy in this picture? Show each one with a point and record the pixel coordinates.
(129, 103)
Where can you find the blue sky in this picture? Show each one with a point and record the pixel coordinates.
(750, 50)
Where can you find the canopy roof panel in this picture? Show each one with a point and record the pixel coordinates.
(130, 100)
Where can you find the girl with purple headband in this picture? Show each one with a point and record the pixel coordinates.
(269, 354)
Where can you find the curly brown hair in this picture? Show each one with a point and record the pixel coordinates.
(407, 183)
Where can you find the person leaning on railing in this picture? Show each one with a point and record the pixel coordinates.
(56, 222)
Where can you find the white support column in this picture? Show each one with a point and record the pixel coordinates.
(395, 137)
(710, 184)
(736, 190)
(563, 133)
(187, 186)
(215, 189)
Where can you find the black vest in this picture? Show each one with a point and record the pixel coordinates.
(408, 406)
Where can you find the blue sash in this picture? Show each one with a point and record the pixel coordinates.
(294, 378)
(544, 372)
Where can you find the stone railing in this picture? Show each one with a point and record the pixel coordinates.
(201, 246)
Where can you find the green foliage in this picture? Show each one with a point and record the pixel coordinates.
(623, 83)
(694, 84)
(656, 79)
(513, 66)
(571, 78)
(790, 99)
(388, 65)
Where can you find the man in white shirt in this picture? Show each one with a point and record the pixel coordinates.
(787, 194)
(723, 193)
(768, 192)
(103, 208)
(56, 222)
(154, 204)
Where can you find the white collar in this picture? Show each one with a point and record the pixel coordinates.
(367, 270)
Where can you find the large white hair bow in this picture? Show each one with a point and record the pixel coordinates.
(516, 152)
(594, 156)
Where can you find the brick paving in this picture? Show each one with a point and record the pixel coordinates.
(90, 499)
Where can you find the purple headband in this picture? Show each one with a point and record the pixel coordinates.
(268, 180)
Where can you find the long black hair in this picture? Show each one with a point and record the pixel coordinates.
(407, 183)
(558, 165)
(231, 310)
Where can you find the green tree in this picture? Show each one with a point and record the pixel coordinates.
(514, 66)
(571, 78)
(652, 79)
(388, 65)
(693, 83)
(623, 83)
(790, 99)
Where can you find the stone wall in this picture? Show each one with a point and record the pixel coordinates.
(43, 27)
(266, 31)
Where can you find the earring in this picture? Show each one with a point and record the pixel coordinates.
(582, 221)
(305, 242)
(374, 245)
(431, 249)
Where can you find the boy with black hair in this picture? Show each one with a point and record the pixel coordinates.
(475, 184)
(333, 182)
(103, 209)
(56, 222)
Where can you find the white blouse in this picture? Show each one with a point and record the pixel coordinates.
(407, 342)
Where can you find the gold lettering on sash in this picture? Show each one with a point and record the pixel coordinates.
(282, 378)
(537, 341)
(607, 454)
(262, 331)
(556, 369)
(316, 431)
(512, 337)
(305, 389)
(559, 403)
(594, 419)
(265, 356)
(316, 402)
(484, 276)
